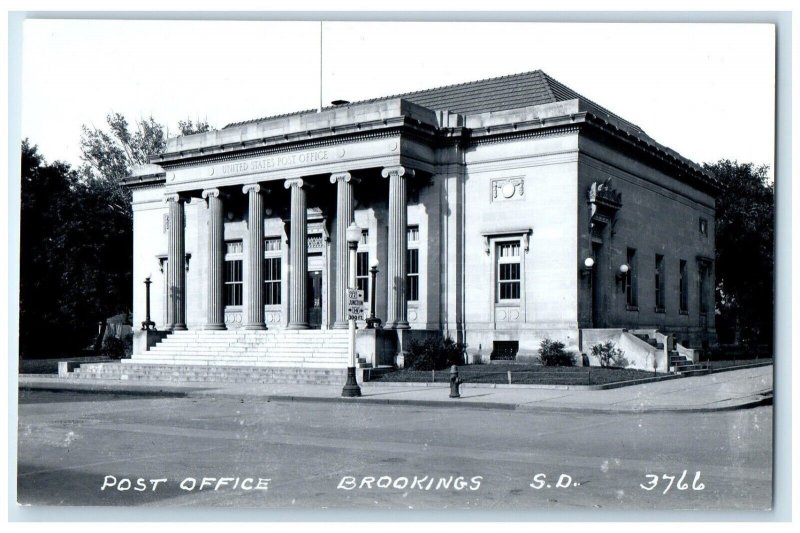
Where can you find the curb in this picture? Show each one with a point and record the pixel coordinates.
(765, 398)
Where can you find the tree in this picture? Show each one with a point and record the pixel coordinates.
(745, 259)
(77, 235)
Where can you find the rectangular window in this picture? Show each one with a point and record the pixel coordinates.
(233, 282)
(412, 264)
(272, 281)
(684, 287)
(703, 288)
(659, 283)
(412, 275)
(362, 273)
(630, 279)
(509, 271)
(364, 236)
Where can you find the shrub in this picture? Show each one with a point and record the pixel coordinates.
(552, 353)
(608, 354)
(113, 348)
(434, 354)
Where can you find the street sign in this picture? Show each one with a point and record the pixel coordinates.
(355, 304)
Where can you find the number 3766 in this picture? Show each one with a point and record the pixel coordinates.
(654, 480)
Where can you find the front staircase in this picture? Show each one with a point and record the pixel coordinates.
(235, 356)
(305, 348)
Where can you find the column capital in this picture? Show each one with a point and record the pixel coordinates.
(343, 176)
(294, 182)
(210, 193)
(255, 187)
(399, 171)
(174, 197)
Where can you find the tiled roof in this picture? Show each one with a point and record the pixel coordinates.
(493, 94)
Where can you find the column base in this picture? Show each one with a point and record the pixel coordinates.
(255, 327)
(179, 327)
(214, 327)
(340, 325)
(300, 325)
(400, 324)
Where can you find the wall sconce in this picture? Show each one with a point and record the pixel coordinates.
(623, 271)
(588, 264)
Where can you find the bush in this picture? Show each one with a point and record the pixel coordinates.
(434, 354)
(552, 353)
(608, 354)
(113, 348)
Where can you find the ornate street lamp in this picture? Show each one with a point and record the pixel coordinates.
(351, 388)
(147, 324)
(372, 322)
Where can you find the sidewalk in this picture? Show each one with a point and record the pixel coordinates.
(737, 389)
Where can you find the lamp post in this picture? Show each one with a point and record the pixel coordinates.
(372, 322)
(147, 324)
(351, 388)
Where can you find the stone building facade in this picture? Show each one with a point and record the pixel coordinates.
(480, 204)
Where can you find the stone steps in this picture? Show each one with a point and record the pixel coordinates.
(213, 373)
(284, 356)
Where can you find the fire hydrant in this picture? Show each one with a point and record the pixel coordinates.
(455, 381)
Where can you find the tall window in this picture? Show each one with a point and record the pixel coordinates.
(272, 271)
(704, 268)
(412, 264)
(684, 287)
(362, 264)
(509, 271)
(233, 273)
(630, 279)
(659, 282)
(362, 273)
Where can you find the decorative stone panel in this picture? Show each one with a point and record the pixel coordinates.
(504, 189)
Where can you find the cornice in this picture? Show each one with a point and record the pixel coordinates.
(686, 171)
(321, 137)
(144, 182)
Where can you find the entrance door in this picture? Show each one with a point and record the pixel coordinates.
(314, 299)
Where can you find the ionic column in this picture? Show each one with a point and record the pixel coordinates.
(344, 215)
(215, 312)
(254, 314)
(298, 256)
(396, 264)
(176, 268)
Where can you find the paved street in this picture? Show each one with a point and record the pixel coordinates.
(71, 444)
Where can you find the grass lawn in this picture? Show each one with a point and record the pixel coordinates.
(737, 362)
(521, 374)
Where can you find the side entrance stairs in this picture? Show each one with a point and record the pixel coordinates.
(678, 363)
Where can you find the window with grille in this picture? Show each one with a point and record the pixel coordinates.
(272, 280)
(362, 273)
(684, 287)
(412, 264)
(509, 271)
(272, 271)
(233, 273)
(412, 275)
(659, 282)
(630, 279)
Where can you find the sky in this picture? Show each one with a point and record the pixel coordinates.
(705, 90)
